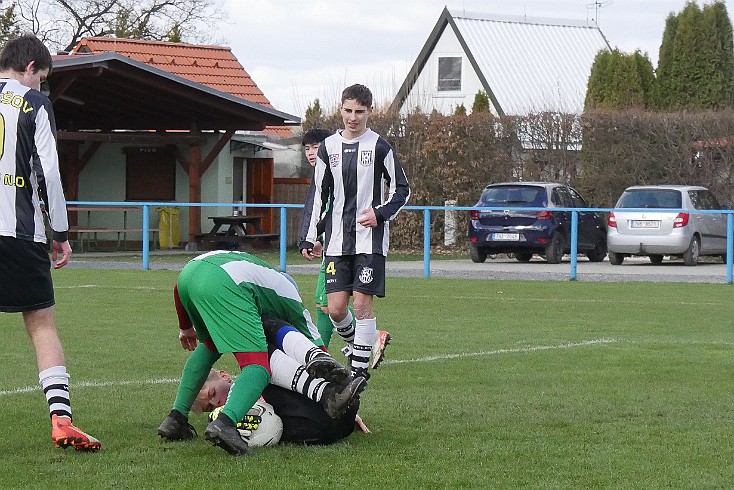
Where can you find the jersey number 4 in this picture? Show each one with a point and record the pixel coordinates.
(331, 268)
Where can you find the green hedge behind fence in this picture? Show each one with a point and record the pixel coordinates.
(599, 153)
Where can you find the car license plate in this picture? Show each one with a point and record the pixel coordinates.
(644, 223)
(505, 236)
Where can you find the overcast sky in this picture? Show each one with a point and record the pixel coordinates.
(301, 50)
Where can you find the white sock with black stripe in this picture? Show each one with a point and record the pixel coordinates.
(288, 374)
(345, 328)
(300, 347)
(55, 384)
(365, 335)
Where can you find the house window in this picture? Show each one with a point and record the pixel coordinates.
(449, 74)
(150, 174)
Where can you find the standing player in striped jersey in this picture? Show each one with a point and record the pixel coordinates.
(354, 168)
(220, 298)
(29, 171)
(311, 141)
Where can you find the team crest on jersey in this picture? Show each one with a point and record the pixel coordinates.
(334, 159)
(365, 276)
(365, 158)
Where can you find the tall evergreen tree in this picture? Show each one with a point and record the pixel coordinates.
(718, 17)
(646, 74)
(687, 63)
(596, 87)
(481, 102)
(619, 81)
(661, 87)
(696, 67)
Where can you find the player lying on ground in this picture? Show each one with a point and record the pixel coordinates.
(298, 418)
(285, 345)
(332, 387)
(220, 298)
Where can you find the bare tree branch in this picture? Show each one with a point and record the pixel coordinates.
(63, 23)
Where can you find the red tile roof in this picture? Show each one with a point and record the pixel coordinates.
(213, 66)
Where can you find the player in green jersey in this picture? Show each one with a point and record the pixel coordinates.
(220, 298)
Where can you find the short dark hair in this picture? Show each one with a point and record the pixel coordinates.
(358, 92)
(19, 52)
(313, 136)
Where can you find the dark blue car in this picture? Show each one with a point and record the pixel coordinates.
(510, 229)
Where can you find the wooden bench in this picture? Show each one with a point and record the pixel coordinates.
(90, 232)
(236, 229)
(91, 235)
(221, 240)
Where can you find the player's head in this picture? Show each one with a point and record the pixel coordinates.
(214, 392)
(355, 109)
(28, 57)
(358, 93)
(311, 141)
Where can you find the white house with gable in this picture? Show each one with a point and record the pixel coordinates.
(524, 64)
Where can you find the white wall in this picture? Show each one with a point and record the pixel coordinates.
(288, 162)
(424, 93)
(103, 179)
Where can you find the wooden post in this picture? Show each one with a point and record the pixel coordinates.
(194, 190)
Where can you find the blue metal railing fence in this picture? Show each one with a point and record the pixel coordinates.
(146, 209)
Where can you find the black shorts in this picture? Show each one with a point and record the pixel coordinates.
(25, 272)
(364, 273)
(305, 421)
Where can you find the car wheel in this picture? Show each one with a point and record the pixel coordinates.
(615, 258)
(690, 256)
(523, 256)
(656, 259)
(599, 251)
(477, 254)
(554, 250)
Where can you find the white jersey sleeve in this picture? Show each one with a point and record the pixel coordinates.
(29, 165)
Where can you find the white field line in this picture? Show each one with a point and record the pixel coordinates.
(104, 286)
(516, 350)
(93, 384)
(536, 348)
(605, 301)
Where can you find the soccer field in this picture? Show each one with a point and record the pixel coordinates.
(486, 384)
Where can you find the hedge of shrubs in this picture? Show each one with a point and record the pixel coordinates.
(599, 153)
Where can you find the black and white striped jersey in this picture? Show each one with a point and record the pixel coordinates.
(355, 175)
(29, 165)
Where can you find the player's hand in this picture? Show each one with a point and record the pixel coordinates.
(359, 423)
(65, 249)
(317, 249)
(188, 338)
(368, 218)
(245, 434)
(307, 253)
(250, 422)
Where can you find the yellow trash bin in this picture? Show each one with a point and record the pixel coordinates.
(169, 228)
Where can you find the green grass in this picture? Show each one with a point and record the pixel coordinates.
(488, 384)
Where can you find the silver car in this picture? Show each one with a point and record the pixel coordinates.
(675, 233)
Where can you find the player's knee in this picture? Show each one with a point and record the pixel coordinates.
(363, 310)
(337, 313)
